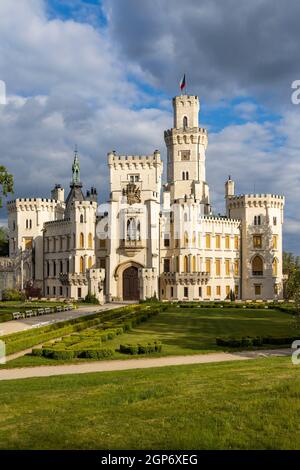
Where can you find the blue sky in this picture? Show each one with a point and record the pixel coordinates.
(101, 74)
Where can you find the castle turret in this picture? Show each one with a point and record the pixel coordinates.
(186, 145)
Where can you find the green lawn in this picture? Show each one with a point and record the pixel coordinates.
(238, 405)
(190, 331)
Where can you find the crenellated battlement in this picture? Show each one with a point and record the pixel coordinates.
(114, 159)
(253, 200)
(33, 204)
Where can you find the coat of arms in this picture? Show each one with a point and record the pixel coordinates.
(133, 193)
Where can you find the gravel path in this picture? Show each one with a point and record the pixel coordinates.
(145, 363)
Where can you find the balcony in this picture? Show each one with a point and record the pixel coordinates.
(197, 278)
(73, 279)
(131, 247)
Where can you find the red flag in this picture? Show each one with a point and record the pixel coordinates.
(182, 83)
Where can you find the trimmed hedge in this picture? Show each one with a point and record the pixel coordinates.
(68, 354)
(141, 348)
(26, 339)
(87, 344)
(255, 341)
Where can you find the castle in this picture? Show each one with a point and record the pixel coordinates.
(150, 240)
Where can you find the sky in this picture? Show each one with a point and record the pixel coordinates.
(100, 74)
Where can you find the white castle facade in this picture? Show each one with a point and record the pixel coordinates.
(135, 247)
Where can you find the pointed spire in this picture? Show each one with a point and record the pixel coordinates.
(76, 168)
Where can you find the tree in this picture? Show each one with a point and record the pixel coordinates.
(4, 245)
(291, 271)
(6, 183)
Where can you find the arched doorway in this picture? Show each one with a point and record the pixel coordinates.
(131, 284)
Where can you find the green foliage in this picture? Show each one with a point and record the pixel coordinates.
(12, 295)
(6, 183)
(141, 348)
(4, 241)
(247, 341)
(91, 299)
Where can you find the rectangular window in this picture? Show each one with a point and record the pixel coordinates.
(208, 265)
(236, 291)
(207, 240)
(79, 292)
(208, 291)
(257, 289)
(166, 240)
(218, 267)
(236, 242)
(236, 267)
(48, 290)
(54, 290)
(227, 291)
(227, 267)
(257, 241)
(102, 263)
(185, 155)
(166, 265)
(218, 241)
(172, 291)
(60, 290)
(185, 291)
(275, 238)
(200, 291)
(134, 178)
(227, 242)
(274, 220)
(218, 291)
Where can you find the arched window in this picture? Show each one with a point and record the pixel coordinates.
(194, 239)
(90, 240)
(275, 267)
(133, 229)
(177, 267)
(30, 223)
(185, 264)
(81, 218)
(185, 121)
(48, 269)
(194, 264)
(186, 175)
(90, 262)
(257, 266)
(183, 175)
(186, 239)
(81, 243)
(61, 267)
(81, 267)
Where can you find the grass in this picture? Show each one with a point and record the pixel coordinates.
(190, 331)
(239, 405)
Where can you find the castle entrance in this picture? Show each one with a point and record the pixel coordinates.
(131, 284)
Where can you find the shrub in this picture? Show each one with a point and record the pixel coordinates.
(94, 353)
(37, 352)
(91, 299)
(13, 294)
(141, 348)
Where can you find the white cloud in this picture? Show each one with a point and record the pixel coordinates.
(68, 84)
